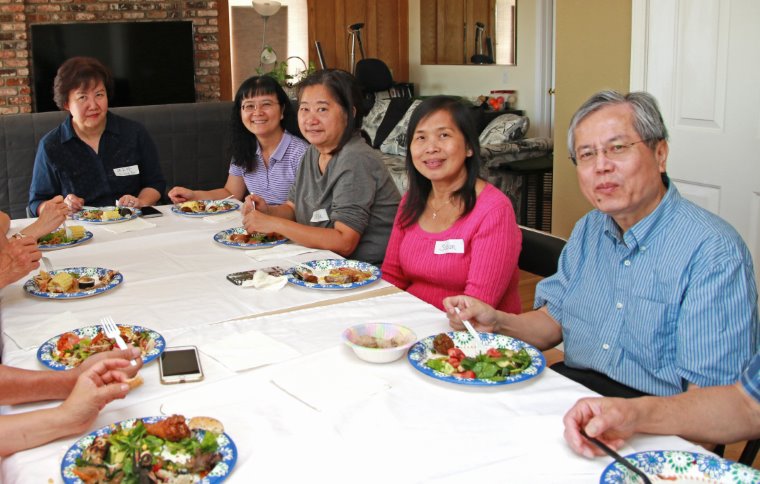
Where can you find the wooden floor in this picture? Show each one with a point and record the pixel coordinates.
(527, 289)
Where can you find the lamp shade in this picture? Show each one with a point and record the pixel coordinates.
(266, 9)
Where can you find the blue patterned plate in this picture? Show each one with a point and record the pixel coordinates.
(218, 474)
(221, 207)
(423, 350)
(87, 236)
(680, 466)
(95, 272)
(80, 215)
(325, 265)
(223, 238)
(45, 351)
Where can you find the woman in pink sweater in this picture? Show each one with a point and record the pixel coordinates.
(454, 232)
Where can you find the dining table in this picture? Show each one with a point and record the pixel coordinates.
(295, 400)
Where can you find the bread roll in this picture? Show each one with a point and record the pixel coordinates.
(208, 424)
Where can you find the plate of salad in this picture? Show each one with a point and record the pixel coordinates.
(680, 466)
(151, 449)
(453, 357)
(70, 349)
(59, 240)
(239, 238)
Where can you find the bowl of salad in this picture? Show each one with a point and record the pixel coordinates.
(379, 342)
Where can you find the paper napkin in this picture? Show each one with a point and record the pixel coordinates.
(252, 349)
(327, 383)
(282, 251)
(225, 217)
(33, 335)
(262, 280)
(131, 226)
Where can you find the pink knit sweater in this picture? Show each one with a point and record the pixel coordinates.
(487, 270)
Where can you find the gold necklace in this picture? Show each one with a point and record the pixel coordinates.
(436, 210)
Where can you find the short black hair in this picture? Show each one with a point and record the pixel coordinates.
(79, 72)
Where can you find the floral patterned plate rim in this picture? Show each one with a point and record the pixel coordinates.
(45, 351)
(326, 265)
(31, 288)
(227, 449)
(177, 208)
(680, 466)
(423, 350)
(223, 238)
(79, 216)
(87, 236)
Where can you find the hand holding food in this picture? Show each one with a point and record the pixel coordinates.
(52, 215)
(94, 389)
(181, 194)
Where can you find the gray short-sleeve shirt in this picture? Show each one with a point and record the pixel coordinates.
(355, 189)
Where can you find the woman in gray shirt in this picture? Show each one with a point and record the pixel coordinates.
(343, 198)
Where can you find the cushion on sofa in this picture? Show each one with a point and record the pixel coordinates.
(373, 119)
(395, 112)
(505, 129)
(396, 142)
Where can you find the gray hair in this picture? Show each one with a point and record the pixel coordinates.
(647, 120)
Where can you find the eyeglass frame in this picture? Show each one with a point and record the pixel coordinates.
(263, 105)
(595, 151)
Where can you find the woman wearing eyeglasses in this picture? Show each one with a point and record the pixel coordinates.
(95, 156)
(265, 156)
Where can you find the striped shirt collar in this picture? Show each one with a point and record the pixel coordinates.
(279, 152)
(645, 229)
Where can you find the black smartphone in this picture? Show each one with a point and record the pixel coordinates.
(180, 364)
(148, 212)
(237, 278)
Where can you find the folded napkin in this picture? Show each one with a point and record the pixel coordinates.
(262, 280)
(252, 349)
(225, 217)
(131, 226)
(327, 383)
(33, 335)
(282, 251)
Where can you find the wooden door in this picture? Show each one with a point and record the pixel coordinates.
(385, 34)
(450, 37)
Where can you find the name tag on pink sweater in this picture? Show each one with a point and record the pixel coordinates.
(451, 246)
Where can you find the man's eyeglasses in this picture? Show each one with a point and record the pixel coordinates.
(252, 107)
(613, 151)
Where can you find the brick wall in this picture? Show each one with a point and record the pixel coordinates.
(16, 17)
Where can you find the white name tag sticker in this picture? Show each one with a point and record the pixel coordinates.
(320, 215)
(127, 170)
(451, 246)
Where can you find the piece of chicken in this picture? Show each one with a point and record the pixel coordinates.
(172, 429)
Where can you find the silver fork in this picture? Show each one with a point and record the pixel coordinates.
(46, 262)
(112, 331)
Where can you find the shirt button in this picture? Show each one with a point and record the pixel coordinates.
(605, 346)
(643, 248)
(619, 305)
(627, 263)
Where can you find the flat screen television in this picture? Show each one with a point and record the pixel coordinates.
(151, 62)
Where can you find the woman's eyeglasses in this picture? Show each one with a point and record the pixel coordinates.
(263, 106)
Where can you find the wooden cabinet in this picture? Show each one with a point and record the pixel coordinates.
(447, 30)
(385, 34)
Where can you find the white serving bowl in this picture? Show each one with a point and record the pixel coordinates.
(383, 331)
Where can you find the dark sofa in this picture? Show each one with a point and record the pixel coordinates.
(192, 141)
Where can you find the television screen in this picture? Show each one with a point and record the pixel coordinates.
(151, 62)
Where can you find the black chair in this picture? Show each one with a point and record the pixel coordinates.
(374, 76)
(540, 252)
(750, 452)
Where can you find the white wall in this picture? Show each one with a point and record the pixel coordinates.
(472, 81)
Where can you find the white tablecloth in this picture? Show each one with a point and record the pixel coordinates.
(415, 429)
(174, 277)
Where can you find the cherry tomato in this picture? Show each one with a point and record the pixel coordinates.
(493, 353)
(67, 341)
(456, 353)
(467, 375)
(455, 362)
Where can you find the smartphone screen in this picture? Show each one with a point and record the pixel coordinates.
(149, 212)
(180, 364)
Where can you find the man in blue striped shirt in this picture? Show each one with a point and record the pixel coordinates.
(614, 420)
(651, 290)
